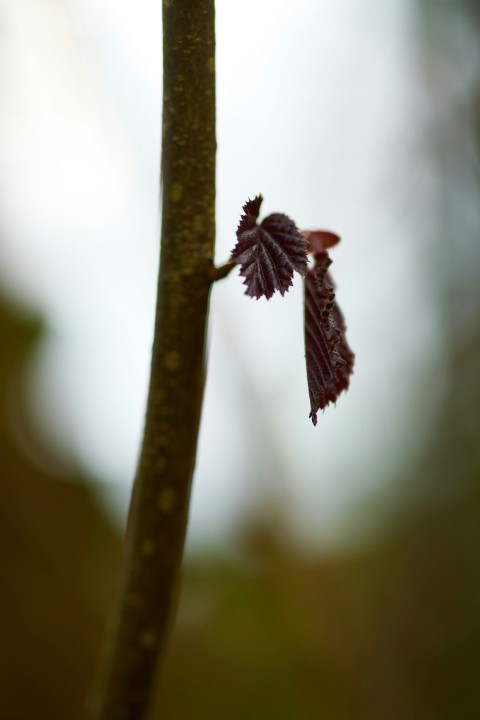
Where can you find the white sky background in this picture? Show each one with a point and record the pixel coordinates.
(318, 107)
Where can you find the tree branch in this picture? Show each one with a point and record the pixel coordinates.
(159, 507)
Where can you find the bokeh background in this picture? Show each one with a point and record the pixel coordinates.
(330, 572)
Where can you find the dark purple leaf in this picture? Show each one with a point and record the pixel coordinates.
(269, 252)
(328, 357)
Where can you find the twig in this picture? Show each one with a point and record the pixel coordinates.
(221, 271)
(159, 507)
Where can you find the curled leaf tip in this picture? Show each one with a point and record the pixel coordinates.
(251, 210)
(268, 253)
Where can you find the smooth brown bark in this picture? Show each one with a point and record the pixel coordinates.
(159, 507)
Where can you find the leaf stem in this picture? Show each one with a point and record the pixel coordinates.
(219, 272)
(159, 507)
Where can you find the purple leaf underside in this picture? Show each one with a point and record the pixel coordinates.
(268, 253)
(328, 357)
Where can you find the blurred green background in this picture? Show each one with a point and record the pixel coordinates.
(383, 624)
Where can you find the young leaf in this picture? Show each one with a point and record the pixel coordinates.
(268, 253)
(328, 357)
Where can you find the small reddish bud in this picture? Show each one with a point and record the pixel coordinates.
(319, 240)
